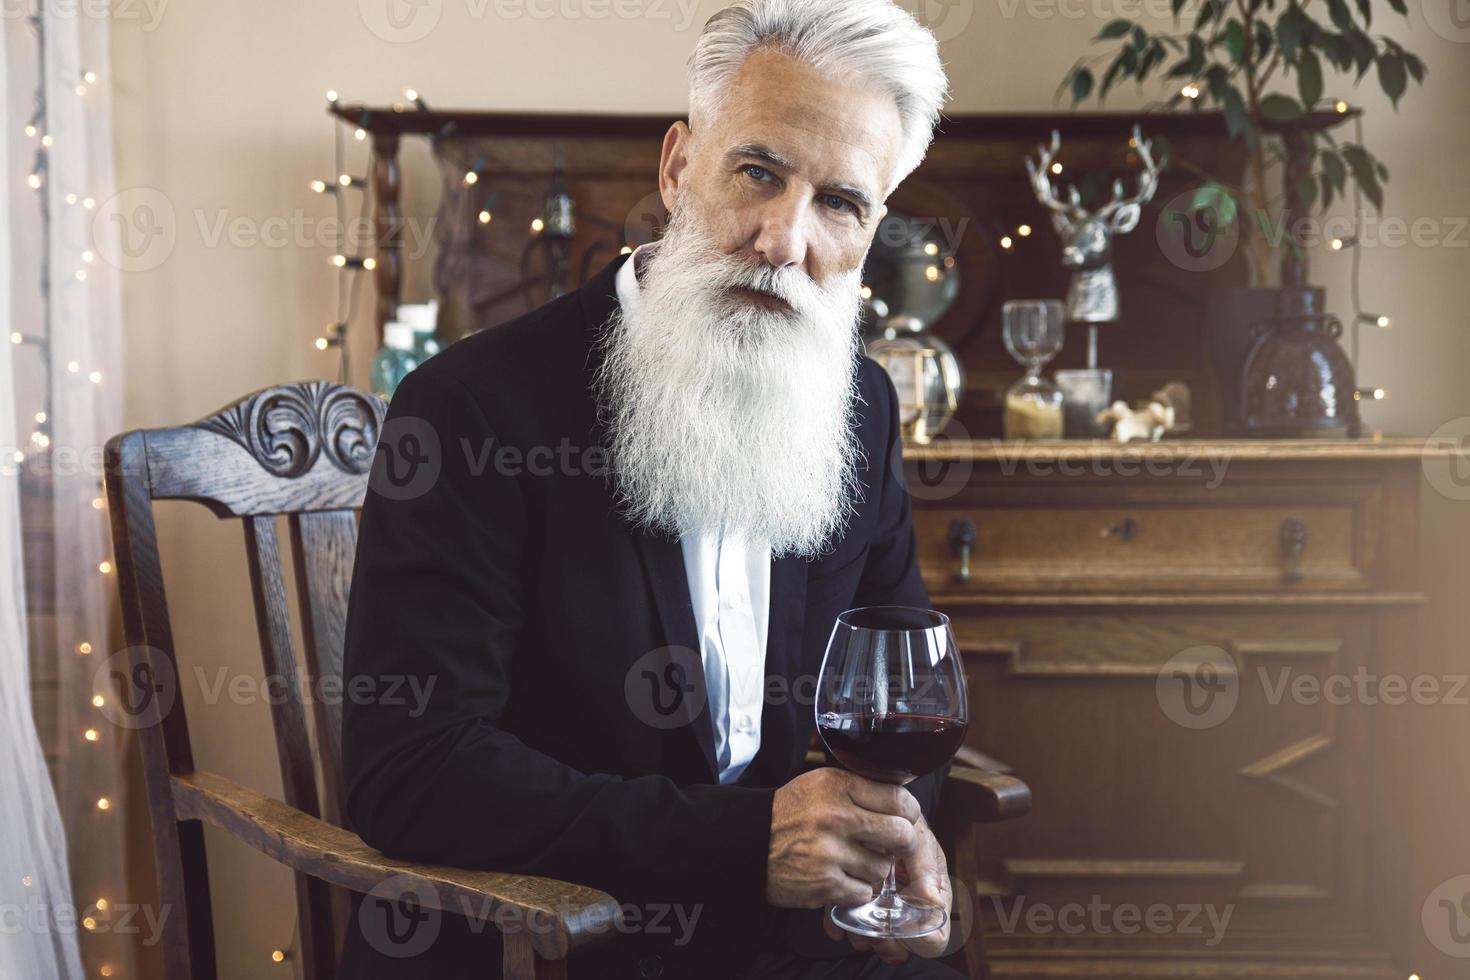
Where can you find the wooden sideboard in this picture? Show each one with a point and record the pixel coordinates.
(1171, 644)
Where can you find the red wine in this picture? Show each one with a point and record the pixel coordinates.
(892, 748)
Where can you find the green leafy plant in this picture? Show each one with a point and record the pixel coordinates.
(1263, 64)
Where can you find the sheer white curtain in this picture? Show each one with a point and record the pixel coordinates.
(63, 900)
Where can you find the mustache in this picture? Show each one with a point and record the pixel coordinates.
(788, 283)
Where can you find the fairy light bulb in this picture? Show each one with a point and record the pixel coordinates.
(471, 178)
(370, 263)
(486, 217)
(105, 567)
(932, 273)
(1007, 242)
(1190, 91)
(31, 129)
(34, 182)
(322, 343)
(1024, 231)
(46, 141)
(15, 337)
(89, 77)
(1056, 168)
(104, 804)
(331, 95)
(91, 735)
(359, 134)
(98, 701)
(537, 225)
(1341, 108)
(95, 377)
(73, 367)
(84, 648)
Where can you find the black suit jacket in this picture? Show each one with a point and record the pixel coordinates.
(491, 564)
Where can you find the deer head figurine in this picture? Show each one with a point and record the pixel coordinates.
(1092, 296)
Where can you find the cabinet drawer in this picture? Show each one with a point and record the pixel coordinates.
(1156, 538)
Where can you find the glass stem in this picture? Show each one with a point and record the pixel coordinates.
(888, 895)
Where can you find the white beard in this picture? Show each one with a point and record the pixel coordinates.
(722, 414)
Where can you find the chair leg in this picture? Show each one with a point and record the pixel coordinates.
(520, 961)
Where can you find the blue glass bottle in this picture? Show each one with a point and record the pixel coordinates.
(395, 358)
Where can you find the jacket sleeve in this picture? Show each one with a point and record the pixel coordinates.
(436, 614)
(891, 575)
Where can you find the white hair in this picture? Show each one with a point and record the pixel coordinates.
(874, 40)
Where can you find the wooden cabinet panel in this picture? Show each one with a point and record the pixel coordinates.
(1186, 702)
(1164, 538)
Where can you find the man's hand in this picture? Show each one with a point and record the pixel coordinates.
(830, 833)
(923, 874)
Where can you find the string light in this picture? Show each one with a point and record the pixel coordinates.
(89, 203)
(1375, 319)
(101, 905)
(346, 180)
(322, 187)
(537, 225)
(98, 701)
(91, 735)
(104, 804)
(355, 262)
(40, 418)
(932, 273)
(359, 135)
(95, 377)
(1056, 168)
(486, 217)
(1024, 231)
(931, 248)
(105, 567)
(106, 970)
(71, 198)
(89, 77)
(1338, 244)
(1371, 394)
(30, 129)
(331, 95)
(278, 956)
(412, 95)
(73, 366)
(471, 178)
(84, 648)
(1190, 91)
(34, 181)
(1342, 107)
(46, 141)
(16, 337)
(1007, 242)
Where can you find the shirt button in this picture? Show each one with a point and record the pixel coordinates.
(745, 724)
(651, 966)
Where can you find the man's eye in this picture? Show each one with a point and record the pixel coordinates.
(756, 171)
(838, 203)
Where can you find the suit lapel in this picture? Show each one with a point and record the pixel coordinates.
(663, 567)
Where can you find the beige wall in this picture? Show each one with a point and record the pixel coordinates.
(220, 107)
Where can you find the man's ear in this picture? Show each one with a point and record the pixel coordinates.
(673, 162)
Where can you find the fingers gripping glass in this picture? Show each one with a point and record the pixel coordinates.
(891, 706)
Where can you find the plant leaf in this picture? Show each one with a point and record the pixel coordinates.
(1364, 51)
(1309, 78)
(1235, 40)
(1326, 192)
(1081, 84)
(1289, 31)
(1341, 15)
(1333, 170)
(1365, 8)
(1237, 119)
(1116, 28)
(1393, 77)
(1281, 108)
(1399, 6)
(1208, 12)
(1361, 164)
(1416, 66)
(1178, 5)
(1306, 187)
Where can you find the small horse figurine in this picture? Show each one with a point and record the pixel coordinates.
(1092, 296)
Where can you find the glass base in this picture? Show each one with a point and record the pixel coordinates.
(895, 918)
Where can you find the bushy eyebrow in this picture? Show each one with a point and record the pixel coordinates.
(760, 151)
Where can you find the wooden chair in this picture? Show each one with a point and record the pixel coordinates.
(304, 451)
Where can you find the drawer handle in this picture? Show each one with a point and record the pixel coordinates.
(962, 535)
(1293, 546)
(1124, 530)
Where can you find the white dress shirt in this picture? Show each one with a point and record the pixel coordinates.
(730, 586)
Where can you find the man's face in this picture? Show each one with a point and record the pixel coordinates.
(791, 172)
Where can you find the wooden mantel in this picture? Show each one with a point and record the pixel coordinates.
(1376, 447)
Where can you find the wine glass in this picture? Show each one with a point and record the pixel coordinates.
(891, 706)
(1033, 333)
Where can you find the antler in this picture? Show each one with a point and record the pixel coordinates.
(1148, 180)
(1066, 213)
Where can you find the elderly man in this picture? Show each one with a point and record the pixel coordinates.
(660, 490)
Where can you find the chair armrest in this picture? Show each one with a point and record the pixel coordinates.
(558, 916)
(986, 796)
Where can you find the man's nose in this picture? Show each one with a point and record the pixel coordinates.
(781, 235)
